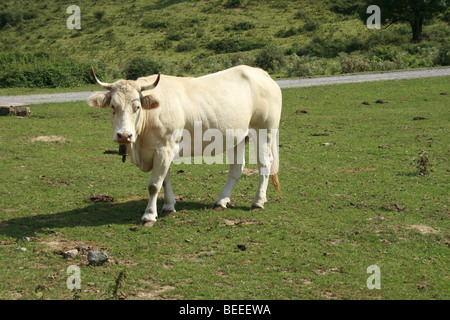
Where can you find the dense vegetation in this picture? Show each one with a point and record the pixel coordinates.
(134, 38)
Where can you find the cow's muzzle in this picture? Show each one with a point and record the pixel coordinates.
(124, 137)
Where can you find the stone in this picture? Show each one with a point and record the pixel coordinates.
(97, 258)
(70, 254)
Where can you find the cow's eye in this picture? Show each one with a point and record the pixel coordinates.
(113, 109)
(136, 108)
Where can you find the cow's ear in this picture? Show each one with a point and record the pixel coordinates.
(149, 102)
(99, 100)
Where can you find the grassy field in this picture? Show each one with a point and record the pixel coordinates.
(352, 197)
(288, 38)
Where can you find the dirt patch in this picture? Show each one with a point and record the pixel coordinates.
(50, 139)
(155, 293)
(393, 207)
(103, 198)
(249, 171)
(61, 245)
(424, 229)
(235, 222)
(356, 170)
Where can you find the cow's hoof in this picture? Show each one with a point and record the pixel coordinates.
(166, 213)
(148, 223)
(218, 207)
(254, 208)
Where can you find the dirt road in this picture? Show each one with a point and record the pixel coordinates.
(288, 83)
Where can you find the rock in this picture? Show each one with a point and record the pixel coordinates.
(242, 246)
(4, 111)
(367, 103)
(70, 254)
(22, 111)
(381, 101)
(22, 249)
(15, 110)
(25, 239)
(301, 111)
(326, 144)
(97, 258)
(444, 93)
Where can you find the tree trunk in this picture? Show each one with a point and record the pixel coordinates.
(416, 26)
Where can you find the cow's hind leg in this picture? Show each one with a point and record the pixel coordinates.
(237, 164)
(264, 158)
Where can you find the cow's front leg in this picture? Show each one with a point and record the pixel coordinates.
(169, 199)
(161, 165)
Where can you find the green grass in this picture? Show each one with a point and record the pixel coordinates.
(305, 38)
(346, 206)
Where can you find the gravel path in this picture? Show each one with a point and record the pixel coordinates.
(291, 83)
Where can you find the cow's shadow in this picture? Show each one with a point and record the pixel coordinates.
(96, 214)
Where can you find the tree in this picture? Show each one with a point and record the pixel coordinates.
(414, 12)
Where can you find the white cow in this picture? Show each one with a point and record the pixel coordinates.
(146, 115)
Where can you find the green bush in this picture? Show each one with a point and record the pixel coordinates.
(324, 47)
(346, 7)
(141, 67)
(286, 33)
(354, 62)
(42, 70)
(443, 56)
(311, 25)
(234, 45)
(241, 26)
(185, 46)
(10, 17)
(234, 3)
(154, 24)
(270, 58)
(305, 66)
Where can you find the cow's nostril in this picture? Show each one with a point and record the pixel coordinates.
(124, 137)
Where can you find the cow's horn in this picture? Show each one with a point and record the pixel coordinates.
(151, 86)
(105, 85)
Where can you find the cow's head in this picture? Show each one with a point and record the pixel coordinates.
(126, 100)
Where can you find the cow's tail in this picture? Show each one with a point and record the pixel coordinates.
(275, 166)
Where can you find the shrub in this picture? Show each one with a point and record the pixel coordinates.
(354, 62)
(234, 45)
(346, 7)
(305, 66)
(241, 26)
(311, 25)
(42, 70)
(10, 17)
(286, 33)
(234, 3)
(175, 36)
(443, 56)
(154, 24)
(98, 15)
(270, 58)
(185, 46)
(141, 67)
